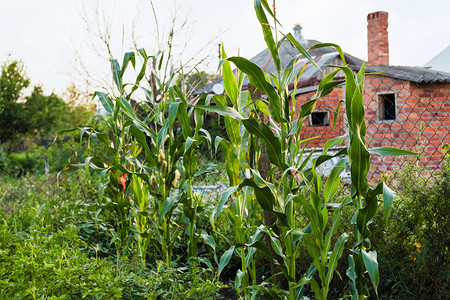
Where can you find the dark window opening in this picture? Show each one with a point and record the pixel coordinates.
(319, 118)
(386, 107)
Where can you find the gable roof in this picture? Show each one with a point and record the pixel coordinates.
(441, 61)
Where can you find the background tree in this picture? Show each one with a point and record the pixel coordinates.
(45, 114)
(13, 81)
(80, 105)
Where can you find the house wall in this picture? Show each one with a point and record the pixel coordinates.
(328, 103)
(422, 120)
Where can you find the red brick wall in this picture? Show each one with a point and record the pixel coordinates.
(422, 113)
(329, 103)
(423, 116)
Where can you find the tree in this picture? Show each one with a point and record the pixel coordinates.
(45, 114)
(80, 106)
(13, 81)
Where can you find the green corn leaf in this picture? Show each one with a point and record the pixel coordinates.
(334, 227)
(388, 198)
(350, 87)
(223, 199)
(366, 213)
(117, 74)
(351, 273)
(332, 182)
(101, 137)
(249, 256)
(313, 251)
(262, 247)
(273, 145)
(336, 141)
(126, 105)
(327, 79)
(370, 261)
(184, 120)
(207, 263)
(209, 240)
(268, 37)
(335, 255)
(336, 113)
(173, 111)
(263, 195)
(267, 7)
(224, 260)
(190, 143)
(232, 127)
(142, 141)
(315, 225)
(261, 106)
(229, 81)
(316, 288)
(127, 109)
(288, 73)
(143, 54)
(300, 285)
(169, 203)
(231, 160)
(358, 154)
(328, 88)
(162, 135)
(223, 111)
(129, 56)
(106, 101)
(339, 50)
(276, 245)
(94, 162)
(179, 93)
(238, 281)
(302, 50)
(323, 158)
(138, 81)
(307, 108)
(258, 79)
(391, 151)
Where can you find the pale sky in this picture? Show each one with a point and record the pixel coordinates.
(47, 34)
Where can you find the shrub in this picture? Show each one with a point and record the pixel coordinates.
(414, 247)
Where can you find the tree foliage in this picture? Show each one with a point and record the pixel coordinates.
(45, 114)
(37, 115)
(13, 81)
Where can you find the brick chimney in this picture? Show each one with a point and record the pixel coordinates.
(377, 38)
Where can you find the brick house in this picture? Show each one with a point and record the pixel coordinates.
(404, 105)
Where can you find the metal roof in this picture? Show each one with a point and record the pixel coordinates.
(413, 74)
(440, 62)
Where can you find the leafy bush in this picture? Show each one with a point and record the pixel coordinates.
(55, 243)
(415, 256)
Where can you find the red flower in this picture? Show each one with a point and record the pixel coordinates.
(122, 180)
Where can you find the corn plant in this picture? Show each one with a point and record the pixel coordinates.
(153, 161)
(275, 125)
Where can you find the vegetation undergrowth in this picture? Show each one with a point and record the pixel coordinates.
(55, 244)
